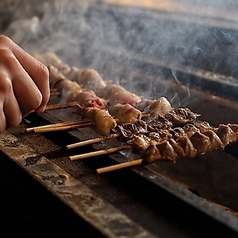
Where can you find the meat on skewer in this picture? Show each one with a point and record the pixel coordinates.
(90, 79)
(103, 122)
(161, 106)
(182, 146)
(125, 113)
(154, 108)
(68, 89)
(198, 143)
(159, 128)
(51, 58)
(189, 142)
(115, 95)
(72, 92)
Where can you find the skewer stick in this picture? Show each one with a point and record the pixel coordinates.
(100, 152)
(91, 141)
(60, 106)
(119, 166)
(60, 124)
(62, 128)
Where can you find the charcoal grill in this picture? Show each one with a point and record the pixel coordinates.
(193, 197)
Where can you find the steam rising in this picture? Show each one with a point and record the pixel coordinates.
(110, 38)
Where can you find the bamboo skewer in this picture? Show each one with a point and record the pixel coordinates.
(100, 152)
(62, 128)
(72, 104)
(52, 128)
(92, 141)
(119, 166)
(60, 106)
(57, 125)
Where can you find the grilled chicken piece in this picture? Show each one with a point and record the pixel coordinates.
(181, 116)
(51, 58)
(90, 79)
(115, 94)
(102, 121)
(155, 108)
(90, 99)
(125, 113)
(72, 92)
(128, 130)
(226, 134)
(69, 90)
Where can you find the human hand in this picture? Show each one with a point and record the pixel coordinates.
(24, 84)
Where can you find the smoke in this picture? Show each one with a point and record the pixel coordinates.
(110, 38)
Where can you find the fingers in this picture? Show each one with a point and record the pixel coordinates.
(3, 123)
(36, 70)
(24, 84)
(27, 94)
(15, 80)
(10, 114)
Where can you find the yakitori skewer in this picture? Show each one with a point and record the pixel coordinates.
(72, 91)
(100, 152)
(185, 142)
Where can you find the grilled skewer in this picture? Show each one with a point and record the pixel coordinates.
(200, 139)
(128, 131)
(71, 91)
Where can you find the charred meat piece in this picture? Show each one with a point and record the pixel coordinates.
(160, 135)
(203, 126)
(226, 134)
(128, 130)
(140, 143)
(159, 151)
(181, 116)
(215, 141)
(159, 123)
(187, 146)
(200, 142)
(187, 130)
(184, 146)
(234, 128)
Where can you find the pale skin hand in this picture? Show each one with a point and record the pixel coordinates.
(24, 84)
